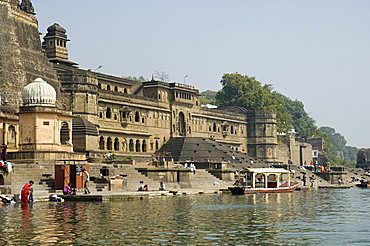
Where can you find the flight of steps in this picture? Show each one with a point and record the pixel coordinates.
(41, 175)
(133, 176)
(202, 179)
(298, 177)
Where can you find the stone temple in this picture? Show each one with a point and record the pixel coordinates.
(56, 118)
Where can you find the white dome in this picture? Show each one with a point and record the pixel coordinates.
(38, 93)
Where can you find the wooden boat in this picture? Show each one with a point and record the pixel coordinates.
(264, 180)
(363, 184)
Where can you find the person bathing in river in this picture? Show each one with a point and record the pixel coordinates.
(26, 191)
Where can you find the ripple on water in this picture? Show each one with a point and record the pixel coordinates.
(312, 217)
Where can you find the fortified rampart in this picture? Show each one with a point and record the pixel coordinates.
(21, 56)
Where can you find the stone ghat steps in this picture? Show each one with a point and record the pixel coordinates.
(131, 178)
(134, 176)
(41, 175)
(202, 179)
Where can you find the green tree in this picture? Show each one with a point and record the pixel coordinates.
(241, 90)
(208, 97)
(339, 152)
(303, 124)
(139, 79)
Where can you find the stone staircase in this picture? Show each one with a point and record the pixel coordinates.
(133, 176)
(202, 179)
(43, 176)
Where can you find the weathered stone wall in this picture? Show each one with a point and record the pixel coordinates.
(21, 57)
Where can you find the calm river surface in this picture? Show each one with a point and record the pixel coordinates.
(316, 217)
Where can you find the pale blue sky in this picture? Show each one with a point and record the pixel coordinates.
(314, 51)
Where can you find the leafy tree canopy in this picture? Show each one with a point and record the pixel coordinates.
(338, 151)
(247, 92)
(208, 97)
(244, 91)
(139, 79)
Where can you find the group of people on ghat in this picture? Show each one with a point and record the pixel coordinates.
(145, 187)
(190, 166)
(26, 194)
(69, 191)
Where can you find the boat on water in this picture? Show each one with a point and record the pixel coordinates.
(263, 180)
(363, 184)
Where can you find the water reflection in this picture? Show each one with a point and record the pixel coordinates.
(306, 217)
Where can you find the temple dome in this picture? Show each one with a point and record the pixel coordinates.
(56, 28)
(39, 93)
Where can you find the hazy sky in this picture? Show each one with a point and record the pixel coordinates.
(315, 51)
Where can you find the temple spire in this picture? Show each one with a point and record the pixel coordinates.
(27, 6)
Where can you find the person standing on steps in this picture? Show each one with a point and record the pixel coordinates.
(86, 178)
(3, 152)
(304, 178)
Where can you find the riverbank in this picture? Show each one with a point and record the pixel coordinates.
(140, 195)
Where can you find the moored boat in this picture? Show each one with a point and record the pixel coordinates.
(264, 180)
(363, 184)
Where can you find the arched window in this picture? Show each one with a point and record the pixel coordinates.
(124, 145)
(143, 146)
(64, 133)
(137, 117)
(159, 95)
(99, 85)
(108, 87)
(156, 145)
(116, 144)
(232, 129)
(137, 147)
(115, 88)
(214, 127)
(11, 137)
(101, 143)
(143, 120)
(108, 114)
(109, 143)
(131, 145)
(101, 115)
(115, 116)
(125, 91)
(182, 124)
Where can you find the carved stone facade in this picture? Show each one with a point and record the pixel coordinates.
(112, 114)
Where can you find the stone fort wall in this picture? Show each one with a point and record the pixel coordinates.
(21, 56)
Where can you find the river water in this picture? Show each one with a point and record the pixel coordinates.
(314, 217)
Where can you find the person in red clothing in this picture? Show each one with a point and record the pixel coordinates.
(26, 191)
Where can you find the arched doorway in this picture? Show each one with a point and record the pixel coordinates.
(11, 137)
(116, 144)
(64, 133)
(182, 124)
(109, 143)
(143, 146)
(101, 143)
(137, 147)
